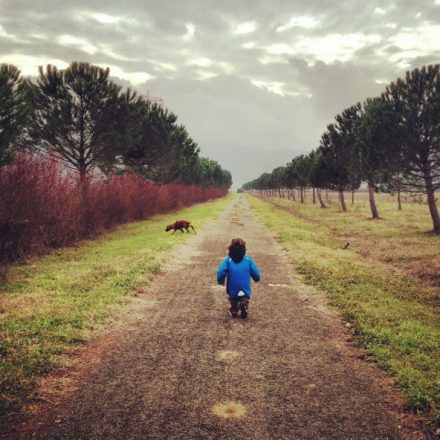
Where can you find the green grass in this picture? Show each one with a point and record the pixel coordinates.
(400, 238)
(394, 316)
(65, 298)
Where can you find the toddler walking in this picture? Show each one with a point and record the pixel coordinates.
(238, 268)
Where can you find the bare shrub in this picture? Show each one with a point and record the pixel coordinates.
(40, 205)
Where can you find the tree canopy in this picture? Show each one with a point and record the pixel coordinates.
(14, 111)
(77, 113)
(80, 117)
(416, 103)
(391, 142)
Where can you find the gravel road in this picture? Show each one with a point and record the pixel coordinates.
(184, 369)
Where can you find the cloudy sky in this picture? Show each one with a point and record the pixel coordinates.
(254, 81)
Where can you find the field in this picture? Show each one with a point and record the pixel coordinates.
(386, 283)
(400, 238)
(60, 300)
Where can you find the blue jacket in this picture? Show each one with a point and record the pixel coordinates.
(238, 274)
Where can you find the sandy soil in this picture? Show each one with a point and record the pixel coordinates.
(179, 367)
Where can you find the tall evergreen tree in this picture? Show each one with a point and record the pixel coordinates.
(320, 175)
(416, 102)
(337, 148)
(159, 149)
(302, 165)
(78, 114)
(14, 111)
(279, 178)
(377, 141)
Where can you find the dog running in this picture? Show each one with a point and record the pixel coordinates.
(180, 225)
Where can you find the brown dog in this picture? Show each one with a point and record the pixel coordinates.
(180, 225)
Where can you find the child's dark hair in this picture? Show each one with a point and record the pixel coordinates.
(237, 249)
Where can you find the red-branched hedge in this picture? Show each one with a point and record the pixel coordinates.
(41, 205)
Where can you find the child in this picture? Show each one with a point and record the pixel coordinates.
(238, 268)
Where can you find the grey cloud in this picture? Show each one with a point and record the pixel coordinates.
(245, 127)
(428, 59)
(338, 85)
(224, 115)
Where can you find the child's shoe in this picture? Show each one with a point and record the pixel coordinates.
(243, 314)
(234, 312)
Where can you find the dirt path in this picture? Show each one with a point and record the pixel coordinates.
(289, 365)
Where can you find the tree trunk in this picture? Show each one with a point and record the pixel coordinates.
(326, 195)
(302, 194)
(342, 201)
(83, 184)
(84, 194)
(430, 192)
(374, 213)
(399, 200)
(279, 193)
(318, 193)
(352, 196)
(314, 196)
(293, 195)
(434, 211)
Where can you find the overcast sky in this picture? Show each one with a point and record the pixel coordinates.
(255, 82)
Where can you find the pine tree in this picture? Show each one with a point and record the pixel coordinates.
(337, 148)
(14, 111)
(416, 103)
(78, 115)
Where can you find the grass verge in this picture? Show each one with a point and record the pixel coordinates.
(64, 298)
(402, 239)
(390, 317)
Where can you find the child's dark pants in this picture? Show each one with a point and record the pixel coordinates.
(236, 302)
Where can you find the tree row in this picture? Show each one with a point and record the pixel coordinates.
(391, 142)
(80, 117)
